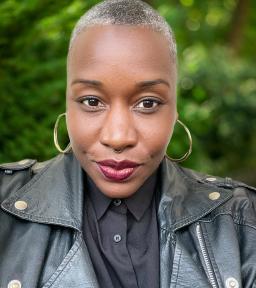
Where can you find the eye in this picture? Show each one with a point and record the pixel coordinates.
(147, 105)
(92, 103)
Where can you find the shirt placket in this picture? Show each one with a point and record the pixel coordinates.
(113, 238)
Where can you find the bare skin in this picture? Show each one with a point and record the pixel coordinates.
(121, 95)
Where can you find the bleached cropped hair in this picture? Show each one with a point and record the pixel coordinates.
(125, 12)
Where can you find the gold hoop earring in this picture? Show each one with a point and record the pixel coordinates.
(55, 136)
(186, 155)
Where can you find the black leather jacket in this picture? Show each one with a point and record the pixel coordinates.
(209, 223)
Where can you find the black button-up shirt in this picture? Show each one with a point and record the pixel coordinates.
(122, 237)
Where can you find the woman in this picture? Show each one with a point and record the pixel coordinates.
(112, 210)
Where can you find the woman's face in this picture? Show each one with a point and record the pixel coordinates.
(120, 96)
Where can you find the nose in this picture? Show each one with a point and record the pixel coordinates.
(118, 131)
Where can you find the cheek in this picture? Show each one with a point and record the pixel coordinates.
(157, 135)
(81, 133)
(159, 142)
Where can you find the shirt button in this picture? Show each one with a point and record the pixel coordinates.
(14, 284)
(117, 202)
(231, 283)
(117, 238)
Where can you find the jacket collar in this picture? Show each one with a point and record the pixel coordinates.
(55, 196)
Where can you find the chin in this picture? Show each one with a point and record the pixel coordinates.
(118, 189)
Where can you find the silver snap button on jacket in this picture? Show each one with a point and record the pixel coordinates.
(14, 284)
(21, 205)
(214, 195)
(211, 179)
(231, 283)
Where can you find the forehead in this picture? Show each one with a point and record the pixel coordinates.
(130, 49)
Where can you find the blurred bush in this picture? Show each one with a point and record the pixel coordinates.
(217, 79)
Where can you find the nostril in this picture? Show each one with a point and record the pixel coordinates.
(118, 151)
(118, 146)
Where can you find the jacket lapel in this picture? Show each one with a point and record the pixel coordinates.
(185, 199)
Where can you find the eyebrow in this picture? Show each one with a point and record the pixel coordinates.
(149, 83)
(142, 84)
(94, 83)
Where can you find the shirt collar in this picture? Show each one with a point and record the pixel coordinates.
(99, 200)
(137, 204)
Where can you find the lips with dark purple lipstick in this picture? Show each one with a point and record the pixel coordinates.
(117, 171)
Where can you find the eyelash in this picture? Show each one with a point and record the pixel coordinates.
(156, 103)
(92, 108)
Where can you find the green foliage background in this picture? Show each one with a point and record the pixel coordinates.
(217, 79)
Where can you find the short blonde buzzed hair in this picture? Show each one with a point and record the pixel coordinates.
(125, 12)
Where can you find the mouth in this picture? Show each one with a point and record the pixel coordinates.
(117, 171)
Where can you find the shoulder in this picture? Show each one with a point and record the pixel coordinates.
(223, 195)
(242, 204)
(14, 175)
(13, 168)
(224, 182)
